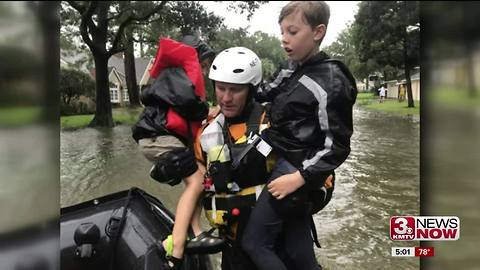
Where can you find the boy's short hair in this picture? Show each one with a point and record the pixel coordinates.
(314, 12)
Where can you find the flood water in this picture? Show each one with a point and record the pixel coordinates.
(380, 179)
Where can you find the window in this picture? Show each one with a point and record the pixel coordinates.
(114, 95)
(125, 95)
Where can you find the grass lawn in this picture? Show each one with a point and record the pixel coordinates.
(369, 101)
(120, 116)
(18, 116)
(454, 98)
(364, 96)
(394, 106)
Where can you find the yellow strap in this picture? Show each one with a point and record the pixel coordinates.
(215, 216)
(248, 191)
(243, 192)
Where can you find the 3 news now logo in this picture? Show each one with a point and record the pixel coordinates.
(426, 228)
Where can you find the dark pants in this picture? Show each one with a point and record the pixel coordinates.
(234, 258)
(267, 229)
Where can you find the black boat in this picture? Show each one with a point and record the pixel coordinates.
(119, 231)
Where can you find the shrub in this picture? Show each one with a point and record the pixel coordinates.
(73, 84)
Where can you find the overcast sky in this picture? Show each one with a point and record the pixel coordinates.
(265, 18)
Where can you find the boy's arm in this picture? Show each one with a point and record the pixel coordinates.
(335, 110)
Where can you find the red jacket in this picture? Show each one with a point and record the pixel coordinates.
(176, 54)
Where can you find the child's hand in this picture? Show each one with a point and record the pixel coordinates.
(285, 184)
(213, 112)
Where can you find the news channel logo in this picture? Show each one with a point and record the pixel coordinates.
(424, 228)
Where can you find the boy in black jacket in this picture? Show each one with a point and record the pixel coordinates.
(311, 126)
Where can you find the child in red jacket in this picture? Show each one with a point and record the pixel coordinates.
(175, 106)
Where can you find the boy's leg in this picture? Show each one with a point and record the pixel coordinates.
(234, 258)
(152, 149)
(186, 206)
(195, 222)
(297, 245)
(172, 160)
(265, 225)
(261, 233)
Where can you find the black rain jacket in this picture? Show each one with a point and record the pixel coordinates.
(171, 89)
(311, 116)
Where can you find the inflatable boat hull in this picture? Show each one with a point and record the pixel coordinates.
(118, 231)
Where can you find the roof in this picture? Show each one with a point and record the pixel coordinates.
(140, 65)
(120, 76)
(117, 62)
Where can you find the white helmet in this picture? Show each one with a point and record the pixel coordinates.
(237, 65)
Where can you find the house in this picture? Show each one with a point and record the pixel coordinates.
(116, 76)
(394, 85)
(116, 72)
(118, 90)
(361, 86)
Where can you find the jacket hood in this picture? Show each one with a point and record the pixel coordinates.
(203, 50)
(323, 57)
(319, 57)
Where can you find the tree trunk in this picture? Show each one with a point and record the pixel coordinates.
(103, 113)
(406, 65)
(411, 104)
(130, 73)
(94, 31)
(103, 107)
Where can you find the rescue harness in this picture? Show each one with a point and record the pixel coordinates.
(236, 171)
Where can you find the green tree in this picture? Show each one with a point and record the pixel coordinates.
(111, 27)
(266, 46)
(73, 84)
(179, 18)
(344, 49)
(268, 68)
(102, 25)
(388, 33)
(245, 6)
